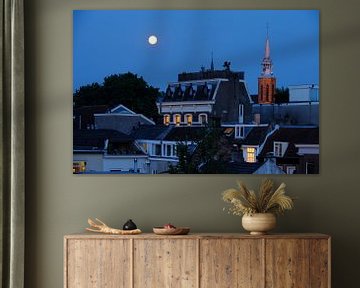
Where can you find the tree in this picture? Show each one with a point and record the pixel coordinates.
(184, 166)
(91, 94)
(281, 95)
(211, 154)
(127, 89)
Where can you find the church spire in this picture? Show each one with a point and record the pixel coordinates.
(267, 44)
(267, 63)
(267, 81)
(212, 62)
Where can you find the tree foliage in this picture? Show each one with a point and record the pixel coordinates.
(282, 95)
(127, 89)
(210, 156)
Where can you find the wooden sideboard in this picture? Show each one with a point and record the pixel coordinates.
(197, 260)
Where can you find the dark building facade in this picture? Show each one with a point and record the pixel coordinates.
(197, 97)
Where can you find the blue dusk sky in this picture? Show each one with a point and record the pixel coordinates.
(116, 41)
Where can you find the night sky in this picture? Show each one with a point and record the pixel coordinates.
(112, 42)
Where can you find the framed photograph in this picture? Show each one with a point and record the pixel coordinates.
(196, 92)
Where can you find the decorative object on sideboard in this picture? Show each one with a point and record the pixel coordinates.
(129, 225)
(258, 210)
(101, 227)
(169, 229)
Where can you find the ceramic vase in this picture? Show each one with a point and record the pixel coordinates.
(259, 223)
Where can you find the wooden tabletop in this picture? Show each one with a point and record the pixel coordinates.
(89, 235)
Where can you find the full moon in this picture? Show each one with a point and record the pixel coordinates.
(152, 40)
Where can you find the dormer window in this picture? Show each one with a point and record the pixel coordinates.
(177, 119)
(189, 119)
(206, 89)
(167, 119)
(203, 118)
(169, 93)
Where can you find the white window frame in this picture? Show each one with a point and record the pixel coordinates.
(205, 116)
(241, 113)
(239, 132)
(279, 148)
(290, 169)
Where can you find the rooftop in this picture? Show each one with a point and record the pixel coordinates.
(95, 139)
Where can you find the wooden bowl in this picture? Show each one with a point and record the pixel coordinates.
(171, 231)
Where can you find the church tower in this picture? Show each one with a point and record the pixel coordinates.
(267, 81)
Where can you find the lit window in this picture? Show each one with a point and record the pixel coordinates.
(79, 167)
(189, 119)
(167, 119)
(177, 119)
(250, 155)
(203, 118)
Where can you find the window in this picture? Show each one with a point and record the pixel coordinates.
(167, 119)
(290, 169)
(280, 148)
(241, 113)
(250, 155)
(277, 149)
(79, 167)
(239, 132)
(177, 119)
(309, 168)
(189, 119)
(158, 149)
(168, 150)
(203, 118)
(257, 118)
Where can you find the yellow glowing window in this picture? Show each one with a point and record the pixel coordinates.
(189, 119)
(79, 167)
(177, 119)
(250, 155)
(167, 119)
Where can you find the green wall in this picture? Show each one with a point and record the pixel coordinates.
(59, 203)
